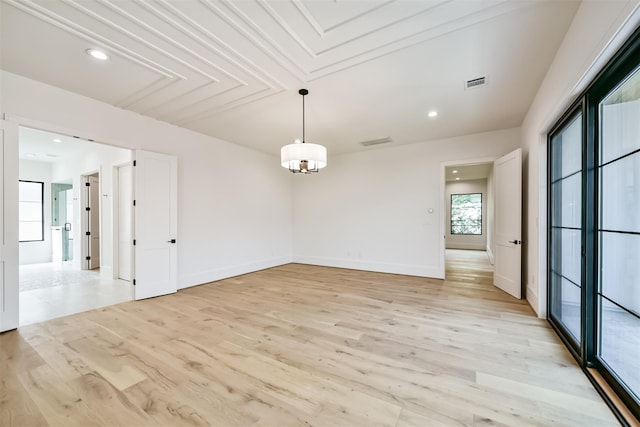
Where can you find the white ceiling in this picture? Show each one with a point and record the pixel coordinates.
(41, 146)
(232, 69)
(468, 172)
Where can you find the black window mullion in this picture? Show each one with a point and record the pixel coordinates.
(589, 235)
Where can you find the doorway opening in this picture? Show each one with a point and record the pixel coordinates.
(503, 213)
(469, 218)
(55, 277)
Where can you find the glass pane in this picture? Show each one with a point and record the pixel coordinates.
(567, 259)
(567, 196)
(30, 191)
(620, 343)
(30, 211)
(466, 213)
(619, 124)
(570, 307)
(29, 231)
(565, 250)
(620, 194)
(567, 149)
(620, 269)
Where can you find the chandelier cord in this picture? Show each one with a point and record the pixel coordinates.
(303, 136)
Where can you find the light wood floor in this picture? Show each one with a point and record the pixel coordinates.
(301, 346)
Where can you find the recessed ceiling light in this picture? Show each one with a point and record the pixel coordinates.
(98, 54)
(454, 171)
(57, 140)
(457, 178)
(432, 114)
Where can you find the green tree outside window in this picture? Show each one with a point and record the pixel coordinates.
(466, 213)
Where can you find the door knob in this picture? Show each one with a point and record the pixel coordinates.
(171, 241)
(516, 242)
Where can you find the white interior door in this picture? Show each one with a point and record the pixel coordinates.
(508, 223)
(94, 222)
(9, 295)
(125, 232)
(156, 224)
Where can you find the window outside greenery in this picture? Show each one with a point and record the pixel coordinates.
(466, 213)
(30, 212)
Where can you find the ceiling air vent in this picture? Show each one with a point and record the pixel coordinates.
(378, 141)
(480, 81)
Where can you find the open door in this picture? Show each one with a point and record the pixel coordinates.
(155, 203)
(9, 289)
(94, 221)
(508, 223)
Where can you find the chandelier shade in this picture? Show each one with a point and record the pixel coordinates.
(301, 157)
(294, 156)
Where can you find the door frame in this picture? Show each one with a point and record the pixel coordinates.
(116, 218)
(20, 121)
(443, 208)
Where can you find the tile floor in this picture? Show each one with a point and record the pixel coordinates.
(54, 290)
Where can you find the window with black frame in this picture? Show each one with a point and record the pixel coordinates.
(594, 227)
(618, 232)
(565, 220)
(466, 214)
(30, 211)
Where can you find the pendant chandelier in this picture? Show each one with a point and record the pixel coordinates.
(302, 157)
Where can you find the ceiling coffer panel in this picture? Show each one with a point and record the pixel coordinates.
(231, 69)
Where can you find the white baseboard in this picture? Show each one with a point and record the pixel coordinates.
(466, 246)
(189, 280)
(532, 299)
(490, 255)
(410, 270)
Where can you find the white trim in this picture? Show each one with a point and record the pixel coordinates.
(490, 254)
(532, 299)
(188, 280)
(380, 267)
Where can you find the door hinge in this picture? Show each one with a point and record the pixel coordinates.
(88, 258)
(134, 203)
(88, 184)
(134, 163)
(134, 282)
(134, 242)
(87, 233)
(87, 208)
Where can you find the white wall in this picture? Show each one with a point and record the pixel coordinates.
(235, 205)
(101, 159)
(370, 210)
(597, 31)
(475, 242)
(37, 252)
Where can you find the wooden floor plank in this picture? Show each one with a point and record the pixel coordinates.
(301, 345)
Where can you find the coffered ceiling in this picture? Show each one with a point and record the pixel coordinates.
(232, 68)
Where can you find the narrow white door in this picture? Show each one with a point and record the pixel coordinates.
(94, 222)
(155, 197)
(9, 289)
(508, 223)
(125, 239)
